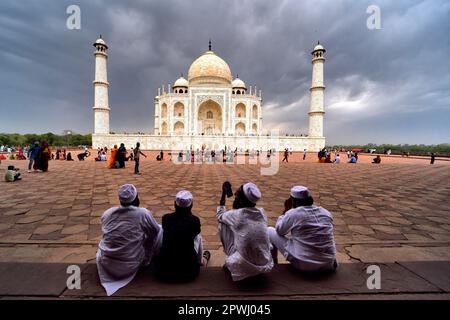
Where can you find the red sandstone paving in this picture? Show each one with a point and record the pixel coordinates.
(392, 211)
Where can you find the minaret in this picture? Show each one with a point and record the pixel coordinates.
(317, 89)
(101, 101)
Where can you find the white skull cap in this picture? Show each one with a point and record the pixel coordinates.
(183, 199)
(251, 192)
(300, 192)
(127, 193)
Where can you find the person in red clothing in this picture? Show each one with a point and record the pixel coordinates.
(44, 156)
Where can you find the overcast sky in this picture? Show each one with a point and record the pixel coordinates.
(384, 86)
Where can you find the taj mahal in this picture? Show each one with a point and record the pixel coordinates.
(209, 109)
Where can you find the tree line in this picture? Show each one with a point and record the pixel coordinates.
(71, 140)
(442, 149)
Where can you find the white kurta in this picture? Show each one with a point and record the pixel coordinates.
(250, 255)
(131, 236)
(311, 246)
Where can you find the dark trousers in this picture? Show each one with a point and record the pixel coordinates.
(136, 165)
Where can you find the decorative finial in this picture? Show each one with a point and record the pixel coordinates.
(237, 75)
(209, 45)
(182, 75)
(100, 36)
(318, 42)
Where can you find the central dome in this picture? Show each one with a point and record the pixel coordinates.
(208, 68)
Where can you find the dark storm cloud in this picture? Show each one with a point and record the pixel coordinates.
(388, 85)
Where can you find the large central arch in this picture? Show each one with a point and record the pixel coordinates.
(209, 118)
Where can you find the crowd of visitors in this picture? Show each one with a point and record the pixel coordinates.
(39, 154)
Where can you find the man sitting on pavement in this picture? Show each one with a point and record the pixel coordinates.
(131, 237)
(310, 246)
(377, 159)
(244, 235)
(353, 159)
(181, 253)
(12, 174)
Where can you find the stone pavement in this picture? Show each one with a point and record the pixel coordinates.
(410, 280)
(394, 212)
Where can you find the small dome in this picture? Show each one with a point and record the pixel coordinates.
(238, 83)
(210, 65)
(181, 82)
(100, 41)
(319, 47)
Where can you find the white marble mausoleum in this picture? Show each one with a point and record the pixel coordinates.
(209, 109)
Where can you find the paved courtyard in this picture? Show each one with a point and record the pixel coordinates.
(396, 211)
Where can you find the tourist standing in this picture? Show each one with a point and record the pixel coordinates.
(44, 156)
(121, 155)
(197, 156)
(304, 154)
(286, 155)
(112, 158)
(433, 158)
(33, 155)
(137, 154)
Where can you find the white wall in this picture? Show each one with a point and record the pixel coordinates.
(154, 142)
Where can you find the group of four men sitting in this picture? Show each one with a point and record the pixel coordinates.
(132, 238)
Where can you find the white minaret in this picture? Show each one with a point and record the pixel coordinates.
(101, 100)
(317, 89)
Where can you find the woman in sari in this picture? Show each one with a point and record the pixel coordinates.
(45, 155)
(112, 158)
